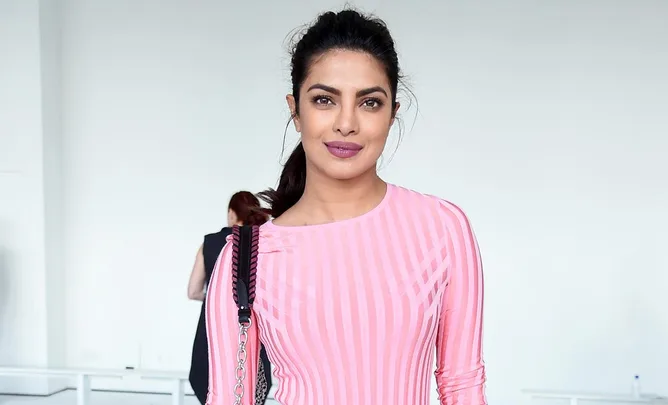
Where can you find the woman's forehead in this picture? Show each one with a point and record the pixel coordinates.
(347, 70)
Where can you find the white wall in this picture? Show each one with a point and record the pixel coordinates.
(545, 121)
(31, 314)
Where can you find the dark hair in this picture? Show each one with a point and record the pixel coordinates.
(346, 30)
(248, 208)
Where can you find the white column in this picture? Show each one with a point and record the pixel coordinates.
(83, 389)
(22, 288)
(26, 76)
(52, 162)
(178, 394)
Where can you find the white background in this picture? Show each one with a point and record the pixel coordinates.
(126, 125)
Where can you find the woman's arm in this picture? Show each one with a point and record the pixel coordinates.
(460, 373)
(197, 278)
(222, 326)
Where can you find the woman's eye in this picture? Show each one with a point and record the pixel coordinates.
(371, 103)
(322, 100)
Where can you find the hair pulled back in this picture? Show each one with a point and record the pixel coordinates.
(345, 30)
(248, 208)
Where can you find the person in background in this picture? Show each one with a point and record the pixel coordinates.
(244, 209)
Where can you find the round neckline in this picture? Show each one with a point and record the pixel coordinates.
(388, 191)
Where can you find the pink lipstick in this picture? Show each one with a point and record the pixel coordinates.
(343, 150)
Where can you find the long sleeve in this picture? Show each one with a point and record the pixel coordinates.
(223, 338)
(460, 373)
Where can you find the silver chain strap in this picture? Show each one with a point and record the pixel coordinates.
(242, 355)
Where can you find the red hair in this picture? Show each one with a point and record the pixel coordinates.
(248, 208)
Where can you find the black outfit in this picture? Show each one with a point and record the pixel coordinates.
(199, 366)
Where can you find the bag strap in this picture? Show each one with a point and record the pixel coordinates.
(245, 241)
(244, 266)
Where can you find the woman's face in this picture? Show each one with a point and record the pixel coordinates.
(345, 114)
(232, 218)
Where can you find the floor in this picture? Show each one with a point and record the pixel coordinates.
(99, 398)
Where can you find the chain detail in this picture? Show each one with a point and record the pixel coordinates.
(242, 355)
(261, 388)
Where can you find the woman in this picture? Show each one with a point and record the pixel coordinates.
(358, 281)
(244, 209)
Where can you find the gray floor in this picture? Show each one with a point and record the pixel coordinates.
(99, 398)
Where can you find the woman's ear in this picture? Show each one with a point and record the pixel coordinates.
(394, 113)
(292, 105)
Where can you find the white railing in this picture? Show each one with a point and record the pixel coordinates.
(84, 376)
(576, 396)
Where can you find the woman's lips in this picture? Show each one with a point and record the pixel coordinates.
(343, 150)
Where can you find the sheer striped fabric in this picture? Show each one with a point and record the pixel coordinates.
(355, 311)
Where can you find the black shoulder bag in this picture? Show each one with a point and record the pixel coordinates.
(244, 265)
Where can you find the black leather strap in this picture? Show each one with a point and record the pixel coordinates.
(244, 266)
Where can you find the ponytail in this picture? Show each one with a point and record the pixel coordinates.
(257, 216)
(290, 186)
(248, 209)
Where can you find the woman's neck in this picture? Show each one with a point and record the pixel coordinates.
(328, 200)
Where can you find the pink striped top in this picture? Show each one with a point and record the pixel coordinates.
(351, 312)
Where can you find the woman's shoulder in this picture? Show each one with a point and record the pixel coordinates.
(223, 232)
(431, 205)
